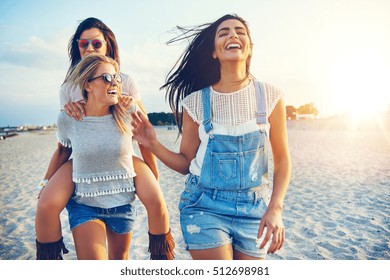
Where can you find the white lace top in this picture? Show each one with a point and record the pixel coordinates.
(232, 114)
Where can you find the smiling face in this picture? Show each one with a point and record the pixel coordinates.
(232, 42)
(91, 34)
(100, 92)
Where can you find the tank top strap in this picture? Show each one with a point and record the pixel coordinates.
(208, 126)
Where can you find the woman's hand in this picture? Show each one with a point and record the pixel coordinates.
(75, 110)
(272, 225)
(143, 130)
(126, 101)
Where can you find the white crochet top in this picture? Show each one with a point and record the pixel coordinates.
(232, 114)
(233, 108)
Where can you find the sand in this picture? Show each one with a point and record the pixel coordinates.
(337, 206)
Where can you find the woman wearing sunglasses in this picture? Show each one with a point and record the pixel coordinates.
(93, 37)
(100, 211)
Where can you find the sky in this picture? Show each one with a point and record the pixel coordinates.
(334, 53)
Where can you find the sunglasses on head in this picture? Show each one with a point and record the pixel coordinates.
(108, 78)
(96, 43)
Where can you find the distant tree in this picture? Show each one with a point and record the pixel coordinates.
(161, 118)
(309, 108)
(291, 112)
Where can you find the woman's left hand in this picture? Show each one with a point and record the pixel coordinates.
(272, 225)
(126, 101)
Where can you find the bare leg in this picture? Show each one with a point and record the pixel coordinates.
(149, 192)
(241, 256)
(161, 243)
(224, 252)
(51, 202)
(118, 245)
(90, 240)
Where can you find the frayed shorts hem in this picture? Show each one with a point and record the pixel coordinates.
(95, 219)
(261, 255)
(190, 247)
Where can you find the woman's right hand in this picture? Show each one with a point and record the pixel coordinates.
(143, 130)
(75, 110)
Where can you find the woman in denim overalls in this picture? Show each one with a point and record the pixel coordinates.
(227, 210)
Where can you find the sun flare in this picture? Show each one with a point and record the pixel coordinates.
(360, 84)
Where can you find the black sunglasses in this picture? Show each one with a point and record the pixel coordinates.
(108, 78)
(96, 43)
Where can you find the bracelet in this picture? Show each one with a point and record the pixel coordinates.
(42, 184)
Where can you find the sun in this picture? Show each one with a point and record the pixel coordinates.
(359, 84)
(361, 106)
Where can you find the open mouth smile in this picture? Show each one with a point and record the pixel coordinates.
(233, 46)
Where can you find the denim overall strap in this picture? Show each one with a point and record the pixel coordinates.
(261, 103)
(232, 163)
(208, 126)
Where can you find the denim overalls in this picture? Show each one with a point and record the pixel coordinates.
(227, 201)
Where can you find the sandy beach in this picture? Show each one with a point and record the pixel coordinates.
(337, 206)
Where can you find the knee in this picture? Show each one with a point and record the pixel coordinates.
(47, 206)
(155, 204)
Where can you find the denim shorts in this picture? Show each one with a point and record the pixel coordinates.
(119, 219)
(212, 218)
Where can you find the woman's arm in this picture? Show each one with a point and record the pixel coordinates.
(148, 156)
(144, 133)
(59, 157)
(272, 219)
(281, 155)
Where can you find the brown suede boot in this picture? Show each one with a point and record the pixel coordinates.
(161, 246)
(51, 251)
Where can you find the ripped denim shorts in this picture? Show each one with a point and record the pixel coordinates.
(212, 218)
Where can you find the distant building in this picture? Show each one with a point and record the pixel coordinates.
(291, 112)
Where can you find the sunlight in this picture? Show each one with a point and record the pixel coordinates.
(359, 83)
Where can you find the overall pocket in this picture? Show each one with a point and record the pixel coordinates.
(225, 171)
(237, 171)
(191, 194)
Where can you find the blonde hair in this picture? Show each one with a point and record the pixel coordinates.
(85, 70)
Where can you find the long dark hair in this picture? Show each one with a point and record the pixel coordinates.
(109, 37)
(196, 68)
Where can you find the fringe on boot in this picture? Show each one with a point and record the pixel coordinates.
(161, 246)
(51, 251)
